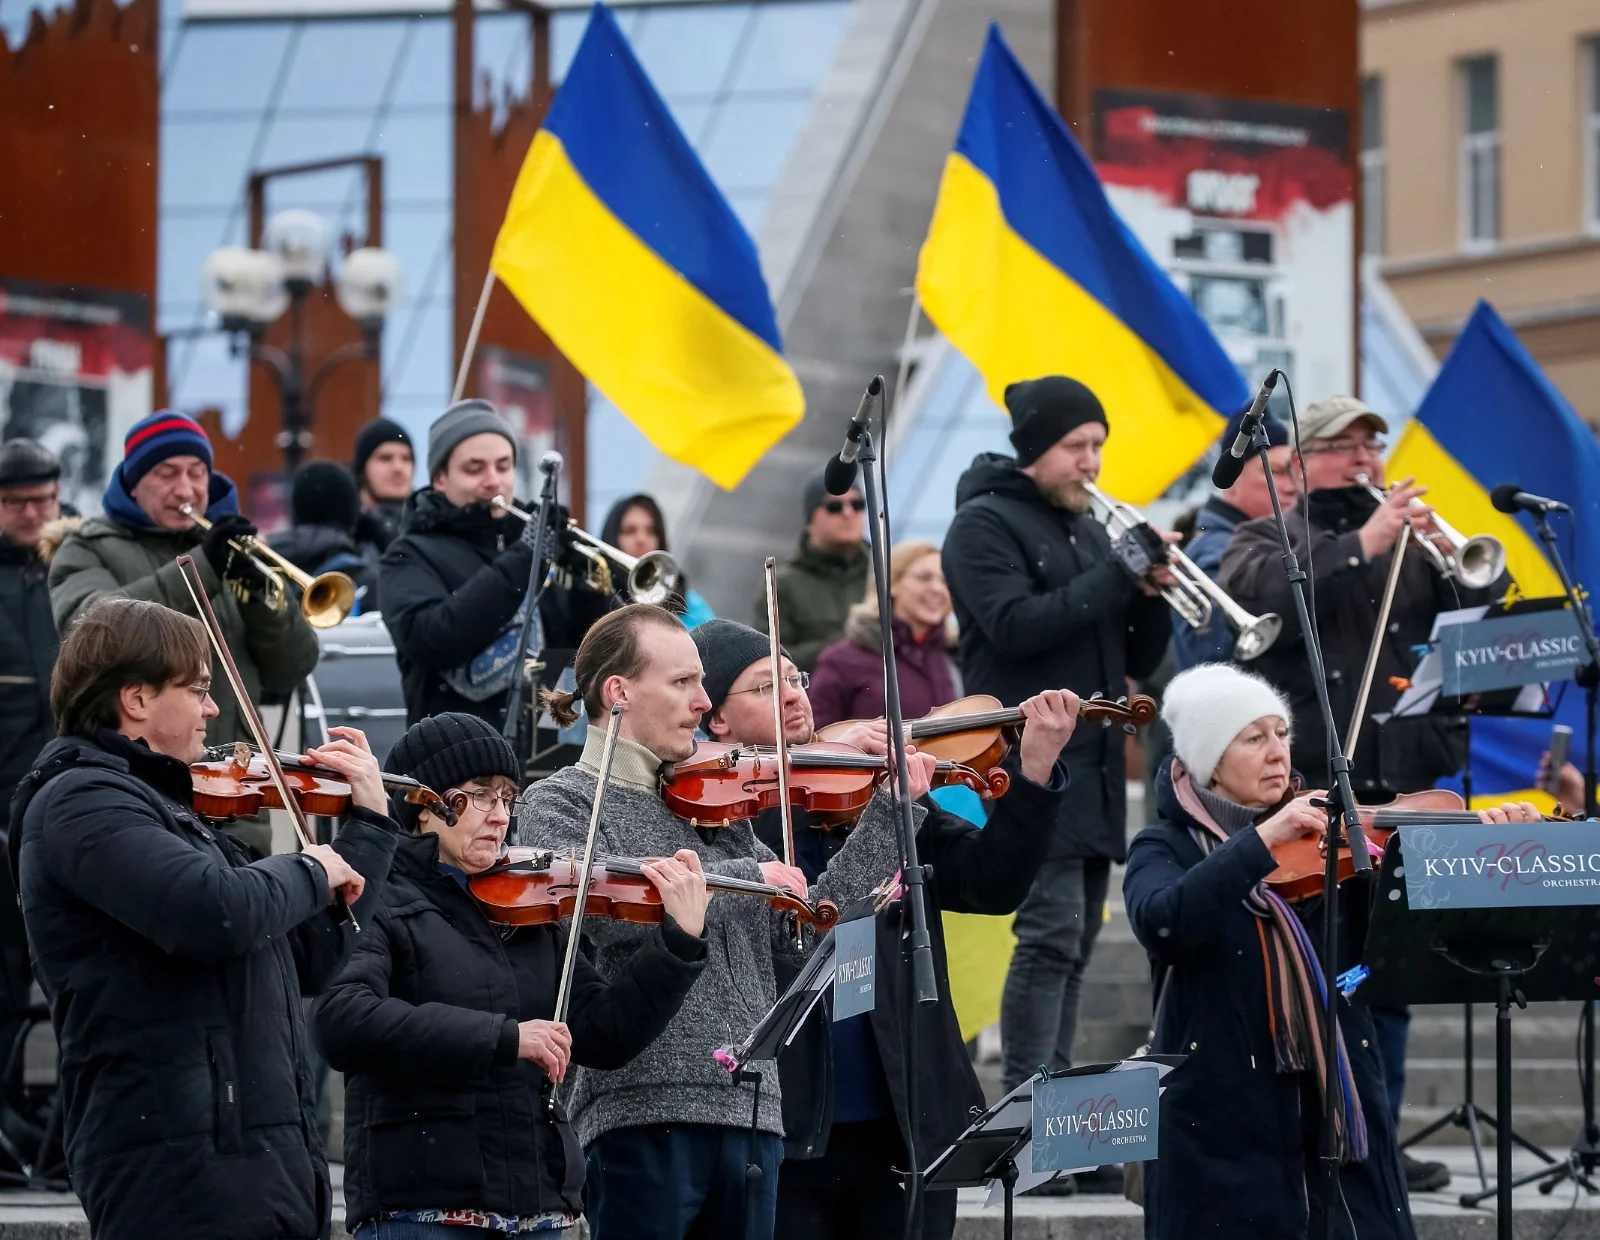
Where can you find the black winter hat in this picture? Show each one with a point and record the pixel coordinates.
(726, 648)
(815, 493)
(374, 435)
(1044, 410)
(26, 461)
(324, 493)
(445, 751)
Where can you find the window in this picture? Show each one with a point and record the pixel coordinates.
(1591, 137)
(1480, 153)
(1372, 166)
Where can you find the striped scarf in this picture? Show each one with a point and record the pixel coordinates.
(1296, 987)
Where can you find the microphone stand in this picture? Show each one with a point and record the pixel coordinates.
(918, 945)
(550, 467)
(1341, 809)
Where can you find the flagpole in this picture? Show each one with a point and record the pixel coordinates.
(472, 336)
(905, 353)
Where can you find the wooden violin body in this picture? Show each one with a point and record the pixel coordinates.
(1302, 863)
(529, 887)
(241, 784)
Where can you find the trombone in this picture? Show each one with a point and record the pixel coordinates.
(1195, 597)
(325, 600)
(652, 578)
(1474, 562)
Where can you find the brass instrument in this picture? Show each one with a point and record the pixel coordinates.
(652, 578)
(1474, 562)
(1195, 597)
(326, 600)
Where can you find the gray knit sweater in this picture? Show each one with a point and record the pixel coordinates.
(675, 1080)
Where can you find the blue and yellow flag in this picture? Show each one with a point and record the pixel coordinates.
(1029, 271)
(621, 247)
(1490, 417)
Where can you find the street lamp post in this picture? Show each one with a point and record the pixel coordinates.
(249, 290)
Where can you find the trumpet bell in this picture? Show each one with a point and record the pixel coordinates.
(327, 600)
(1480, 561)
(1256, 638)
(654, 578)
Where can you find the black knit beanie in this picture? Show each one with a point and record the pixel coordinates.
(1044, 410)
(726, 648)
(373, 436)
(445, 751)
(324, 493)
(27, 461)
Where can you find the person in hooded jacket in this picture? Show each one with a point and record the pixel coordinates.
(1042, 601)
(636, 527)
(328, 532)
(172, 964)
(848, 682)
(453, 586)
(442, 1020)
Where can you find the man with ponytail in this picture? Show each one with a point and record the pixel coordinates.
(675, 1147)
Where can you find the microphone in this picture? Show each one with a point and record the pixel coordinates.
(840, 475)
(1231, 463)
(550, 463)
(1508, 497)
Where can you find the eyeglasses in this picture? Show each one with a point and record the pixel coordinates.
(201, 692)
(800, 680)
(482, 799)
(835, 506)
(16, 503)
(1345, 447)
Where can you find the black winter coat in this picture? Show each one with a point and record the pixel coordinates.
(449, 584)
(439, 1111)
(1238, 1139)
(174, 971)
(1043, 604)
(1402, 755)
(28, 646)
(984, 870)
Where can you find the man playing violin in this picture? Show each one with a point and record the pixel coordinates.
(846, 1113)
(670, 1136)
(173, 966)
(444, 1020)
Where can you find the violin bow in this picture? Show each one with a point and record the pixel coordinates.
(570, 963)
(202, 602)
(1378, 632)
(780, 743)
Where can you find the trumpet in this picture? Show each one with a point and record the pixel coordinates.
(1195, 597)
(1475, 562)
(325, 600)
(652, 578)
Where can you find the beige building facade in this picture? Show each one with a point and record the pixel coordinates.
(1481, 171)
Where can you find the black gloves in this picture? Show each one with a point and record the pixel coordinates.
(230, 564)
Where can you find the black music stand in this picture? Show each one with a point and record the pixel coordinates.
(1479, 955)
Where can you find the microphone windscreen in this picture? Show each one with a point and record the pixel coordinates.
(1504, 497)
(839, 476)
(1228, 469)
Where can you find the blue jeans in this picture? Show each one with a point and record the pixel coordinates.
(400, 1229)
(1056, 927)
(682, 1182)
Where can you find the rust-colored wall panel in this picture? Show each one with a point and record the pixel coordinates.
(80, 122)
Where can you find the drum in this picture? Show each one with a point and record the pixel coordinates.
(356, 684)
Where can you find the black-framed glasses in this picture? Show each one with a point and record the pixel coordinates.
(481, 799)
(800, 680)
(834, 507)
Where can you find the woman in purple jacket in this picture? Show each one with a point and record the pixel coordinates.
(848, 682)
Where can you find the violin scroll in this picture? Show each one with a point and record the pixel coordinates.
(1130, 712)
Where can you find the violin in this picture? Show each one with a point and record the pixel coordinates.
(977, 732)
(530, 887)
(234, 781)
(1302, 863)
(723, 783)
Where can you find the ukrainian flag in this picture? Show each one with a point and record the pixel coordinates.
(1029, 271)
(1490, 417)
(619, 245)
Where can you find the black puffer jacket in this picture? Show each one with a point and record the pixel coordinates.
(448, 586)
(440, 1112)
(174, 970)
(28, 646)
(1043, 604)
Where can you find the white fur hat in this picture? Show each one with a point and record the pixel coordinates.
(1207, 706)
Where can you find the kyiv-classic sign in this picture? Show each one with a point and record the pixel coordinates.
(1501, 865)
(1509, 651)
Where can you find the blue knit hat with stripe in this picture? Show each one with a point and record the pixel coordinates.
(165, 433)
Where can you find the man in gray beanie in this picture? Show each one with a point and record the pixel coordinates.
(453, 585)
(825, 577)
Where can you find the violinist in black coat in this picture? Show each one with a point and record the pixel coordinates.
(442, 1020)
(846, 1114)
(172, 964)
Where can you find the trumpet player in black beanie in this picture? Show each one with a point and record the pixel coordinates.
(1043, 603)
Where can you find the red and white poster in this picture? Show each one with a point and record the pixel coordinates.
(1250, 208)
(519, 387)
(75, 374)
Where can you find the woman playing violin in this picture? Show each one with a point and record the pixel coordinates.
(1242, 1115)
(442, 1020)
